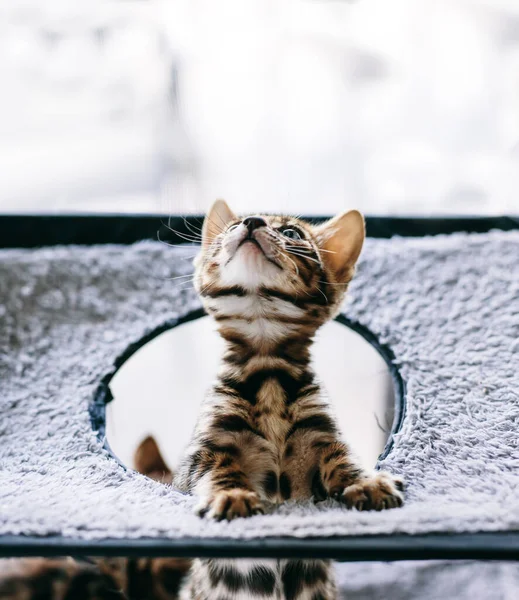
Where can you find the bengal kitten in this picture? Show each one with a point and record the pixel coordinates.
(266, 433)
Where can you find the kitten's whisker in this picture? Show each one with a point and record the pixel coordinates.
(189, 258)
(193, 244)
(206, 287)
(180, 277)
(325, 296)
(190, 277)
(192, 228)
(180, 283)
(299, 248)
(303, 256)
(184, 285)
(327, 251)
(330, 283)
(221, 228)
(292, 261)
(304, 249)
(184, 246)
(184, 236)
(167, 226)
(321, 291)
(216, 226)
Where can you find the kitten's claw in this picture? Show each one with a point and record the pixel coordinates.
(201, 509)
(379, 492)
(399, 483)
(231, 504)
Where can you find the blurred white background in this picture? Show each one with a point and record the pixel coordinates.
(301, 106)
(159, 389)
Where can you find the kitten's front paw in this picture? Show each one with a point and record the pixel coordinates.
(378, 492)
(230, 504)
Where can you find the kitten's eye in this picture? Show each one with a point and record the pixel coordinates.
(232, 228)
(292, 234)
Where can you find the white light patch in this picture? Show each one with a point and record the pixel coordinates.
(262, 329)
(250, 307)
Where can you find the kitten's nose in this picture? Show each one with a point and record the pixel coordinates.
(253, 223)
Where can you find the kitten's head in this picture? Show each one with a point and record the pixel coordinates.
(259, 254)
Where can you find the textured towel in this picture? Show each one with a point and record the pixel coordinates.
(448, 307)
(428, 580)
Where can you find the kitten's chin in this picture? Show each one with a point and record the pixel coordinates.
(249, 268)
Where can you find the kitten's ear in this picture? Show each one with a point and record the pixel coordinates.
(342, 238)
(216, 220)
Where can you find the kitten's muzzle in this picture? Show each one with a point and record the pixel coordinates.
(252, 224)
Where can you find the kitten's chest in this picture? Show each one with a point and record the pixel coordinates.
(280, 468)
(272, 417)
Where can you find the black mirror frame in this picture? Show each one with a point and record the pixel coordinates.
(103, 395)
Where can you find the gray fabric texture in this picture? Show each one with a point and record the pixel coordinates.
(428, 580)
(448, 307)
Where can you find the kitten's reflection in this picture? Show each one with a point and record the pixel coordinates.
(216, 579)
(164, 579)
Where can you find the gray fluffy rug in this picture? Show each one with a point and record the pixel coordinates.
(428, 580)
(448, 306)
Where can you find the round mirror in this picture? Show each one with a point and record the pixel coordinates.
(158, 390)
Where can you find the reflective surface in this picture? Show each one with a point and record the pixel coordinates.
(159, 389)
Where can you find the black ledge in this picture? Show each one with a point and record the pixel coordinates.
(32, 231)
(461, 546)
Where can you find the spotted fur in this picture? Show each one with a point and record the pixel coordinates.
(266, 433)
